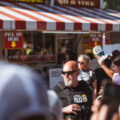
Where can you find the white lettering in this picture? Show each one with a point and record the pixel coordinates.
(12, 34)
(73, 2)
(87, 3)
(77, 2)
(83, 2)
(95, 39)
(63, 1)
(18, 34)
(7, 34)
(13, 39)
(92, 4)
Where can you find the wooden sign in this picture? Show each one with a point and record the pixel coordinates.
(13, 40)
(78, 3)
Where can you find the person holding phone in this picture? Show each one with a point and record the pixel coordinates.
(100, 72)
(113, 73)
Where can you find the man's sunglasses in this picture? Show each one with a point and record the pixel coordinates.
(81, 63)
(69, 72)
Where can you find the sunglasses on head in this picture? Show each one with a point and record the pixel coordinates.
(81, 63)
(101, 53)
(69, 72)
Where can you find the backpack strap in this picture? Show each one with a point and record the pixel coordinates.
(61, 85)
(65, 92)
(91, 73)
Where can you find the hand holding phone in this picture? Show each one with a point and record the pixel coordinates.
(101, 61)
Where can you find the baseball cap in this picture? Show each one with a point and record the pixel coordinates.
(22, 93)
(98, 50)
(55, 105)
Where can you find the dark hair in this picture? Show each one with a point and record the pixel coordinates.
(115, 53)
(116, 61)
(91, 56)
(34, 117)
(111, 97)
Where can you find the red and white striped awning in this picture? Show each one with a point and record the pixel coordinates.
(22, 16)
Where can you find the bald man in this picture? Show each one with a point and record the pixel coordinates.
(76, 96)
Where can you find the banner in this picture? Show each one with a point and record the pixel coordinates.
(78, 3)
(13, 40)
(96, 39)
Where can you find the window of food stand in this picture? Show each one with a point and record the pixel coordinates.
(37, 47)
(112, 37)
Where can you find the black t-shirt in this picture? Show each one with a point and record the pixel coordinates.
(101, 74)
(81, 95)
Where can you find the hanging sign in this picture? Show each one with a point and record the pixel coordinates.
(13, 40)
(96, 39)
(82, 3)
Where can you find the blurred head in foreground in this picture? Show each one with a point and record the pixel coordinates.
(55, 106)
(23, 95)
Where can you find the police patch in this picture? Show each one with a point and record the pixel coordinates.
(80, 98)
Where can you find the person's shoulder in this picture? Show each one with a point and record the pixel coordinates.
(94, 64)
(59, 87)
(83, 83)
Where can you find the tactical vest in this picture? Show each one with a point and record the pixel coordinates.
(69, 96)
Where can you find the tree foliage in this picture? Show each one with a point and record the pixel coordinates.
(112, 4)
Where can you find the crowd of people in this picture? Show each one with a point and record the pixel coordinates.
(91, 93)
(29, 54)
(85, 93)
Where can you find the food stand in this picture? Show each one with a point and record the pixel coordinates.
(68, 23)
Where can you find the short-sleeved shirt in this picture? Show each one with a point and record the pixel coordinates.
(87, 76)
(81, 95)
(116, 78)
